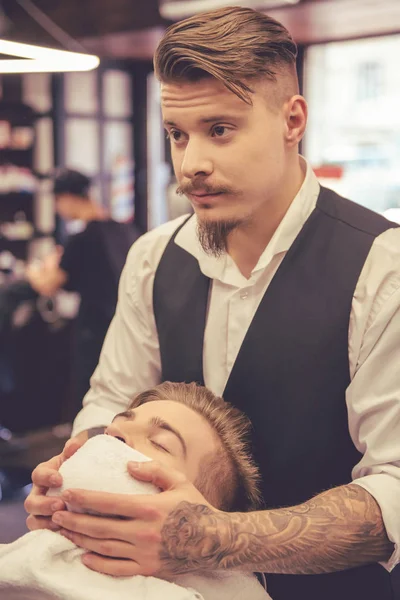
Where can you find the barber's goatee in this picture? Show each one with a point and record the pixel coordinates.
(213, 235)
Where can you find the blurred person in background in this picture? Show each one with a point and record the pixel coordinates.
(184, 426)
(90, 264)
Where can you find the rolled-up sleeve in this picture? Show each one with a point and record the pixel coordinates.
(373, 396)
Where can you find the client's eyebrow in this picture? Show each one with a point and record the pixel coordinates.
(159, 423)
(128, 414)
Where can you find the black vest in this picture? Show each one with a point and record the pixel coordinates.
(292, 370)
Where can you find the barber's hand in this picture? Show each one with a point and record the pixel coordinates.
(167, 534)
(37, 504)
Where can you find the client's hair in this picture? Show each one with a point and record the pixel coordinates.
(228, 478)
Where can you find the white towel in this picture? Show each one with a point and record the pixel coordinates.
(43, 565)
(101, 465)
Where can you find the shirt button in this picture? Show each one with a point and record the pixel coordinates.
(244, 295)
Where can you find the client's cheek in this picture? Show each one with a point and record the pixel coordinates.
(165, 459)
(181, 466)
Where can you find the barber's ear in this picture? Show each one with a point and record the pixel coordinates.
(296, 113)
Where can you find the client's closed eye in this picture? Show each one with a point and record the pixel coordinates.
(160, 446)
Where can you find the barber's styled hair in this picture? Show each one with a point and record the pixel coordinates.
(68, 181)
(229, 477)
(234, 45)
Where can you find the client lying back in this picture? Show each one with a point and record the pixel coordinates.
(44, 565)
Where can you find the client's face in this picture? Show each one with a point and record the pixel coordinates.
(168, 432)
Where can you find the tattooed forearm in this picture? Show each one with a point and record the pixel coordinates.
(337, 530)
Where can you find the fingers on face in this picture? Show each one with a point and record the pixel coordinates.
(122, 567)
(122, 505)
(162, 477)
(112, 566)
(111, 548)
(111, 557)
(42, 506)
(70, 448)
(95, 527)
(92, 533)
(34, 523)
(46, 474)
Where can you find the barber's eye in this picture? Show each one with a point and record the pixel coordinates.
(219, 130)
(175, 135)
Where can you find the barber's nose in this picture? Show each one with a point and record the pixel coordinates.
(115, 431)
(195, 162)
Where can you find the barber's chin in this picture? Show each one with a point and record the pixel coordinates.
(207, 214)
(205, 200)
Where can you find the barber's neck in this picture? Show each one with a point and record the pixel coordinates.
(247, 243)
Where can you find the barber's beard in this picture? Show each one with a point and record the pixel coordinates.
(213, 235)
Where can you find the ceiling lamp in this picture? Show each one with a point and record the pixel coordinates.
(38, 59)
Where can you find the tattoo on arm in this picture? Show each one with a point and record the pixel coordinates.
(336, 530)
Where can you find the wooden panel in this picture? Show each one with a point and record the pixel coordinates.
(132, 28)
(81, 18)
(316, 21)
(311, 21)
(138, 45)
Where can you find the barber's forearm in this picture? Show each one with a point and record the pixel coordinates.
(337, 530)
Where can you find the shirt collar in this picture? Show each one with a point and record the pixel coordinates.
(289, 228)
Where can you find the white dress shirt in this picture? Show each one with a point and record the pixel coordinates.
(130, 359)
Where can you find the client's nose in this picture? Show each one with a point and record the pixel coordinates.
(114, 431)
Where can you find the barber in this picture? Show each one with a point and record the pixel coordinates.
(282, 296)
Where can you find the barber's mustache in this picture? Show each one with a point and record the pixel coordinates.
(203, 188)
